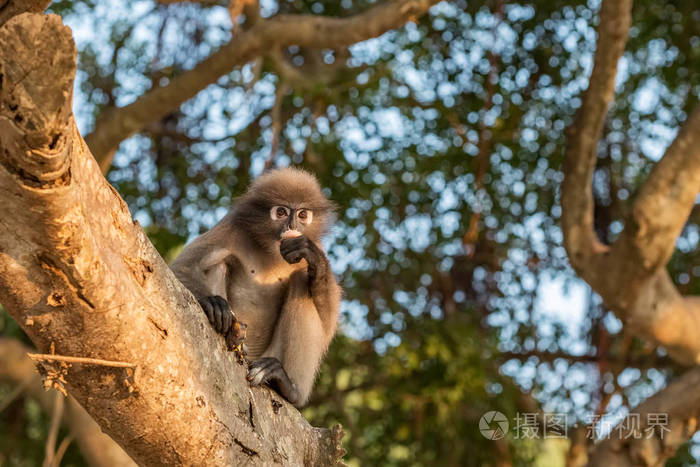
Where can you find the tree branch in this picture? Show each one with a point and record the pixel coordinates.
(79, 274)
(69, 359)
(56, 416)
(62, 448)
(10, 8)
(630, 276)
(662, 206)
(577, 193)
(633, 444)
(117, 124)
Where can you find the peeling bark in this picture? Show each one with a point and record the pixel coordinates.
(77, 272)
(117, 124)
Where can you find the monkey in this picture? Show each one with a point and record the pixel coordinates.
(263, 265)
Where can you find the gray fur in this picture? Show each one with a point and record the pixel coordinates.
(289, 316)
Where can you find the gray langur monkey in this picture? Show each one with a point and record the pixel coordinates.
(263, 265)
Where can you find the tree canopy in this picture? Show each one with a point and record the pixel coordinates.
(443, 143)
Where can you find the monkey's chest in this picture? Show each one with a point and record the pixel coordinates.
(258, 305)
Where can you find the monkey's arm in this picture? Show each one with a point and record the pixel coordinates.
(305, 327)
(322, 286)
(202, 268)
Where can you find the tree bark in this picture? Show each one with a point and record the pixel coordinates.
(81, 278)
(98, 449)
(11, 8)
(117, 124)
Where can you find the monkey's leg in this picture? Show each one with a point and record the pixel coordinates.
(269, 370)
(298, 343)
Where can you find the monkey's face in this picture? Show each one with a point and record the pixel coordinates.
(288, 218)
(283, 200)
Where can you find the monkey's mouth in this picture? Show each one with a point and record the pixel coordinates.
(289, 233)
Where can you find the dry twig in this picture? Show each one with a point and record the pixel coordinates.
(84, 360)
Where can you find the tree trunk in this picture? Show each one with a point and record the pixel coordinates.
(82, 279)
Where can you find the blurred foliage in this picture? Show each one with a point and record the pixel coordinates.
(23, 425)
(442, 143)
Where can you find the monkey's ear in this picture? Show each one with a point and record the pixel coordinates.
(325, 216)
(322, 203)
(329, 207)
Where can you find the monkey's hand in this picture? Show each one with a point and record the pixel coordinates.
(219, 313)
(269, 370)
(294, 249)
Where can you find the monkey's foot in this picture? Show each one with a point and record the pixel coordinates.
(269, 370)
(218, 312)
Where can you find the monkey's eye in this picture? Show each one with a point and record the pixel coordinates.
(278, 212)
(305, 216)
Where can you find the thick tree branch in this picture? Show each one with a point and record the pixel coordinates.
(78, 274)
(118, 124)
(98, 449)
(662, 206)
(577, 193)
(653, 308)
(11, 8)
(630, 276)
(656, 428)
